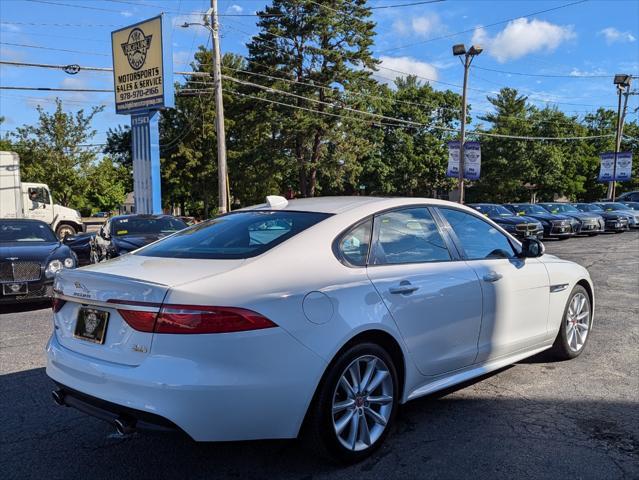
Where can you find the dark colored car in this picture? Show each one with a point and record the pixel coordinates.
(614, 222)
(629, 197)
(620, 208)
(81, 246)
(514, 224)
(30, 256)
(124, 233)
(631, 205)
(557, 226)
(589, 222)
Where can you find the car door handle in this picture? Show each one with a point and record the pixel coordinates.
(492, 277)
(404, 288)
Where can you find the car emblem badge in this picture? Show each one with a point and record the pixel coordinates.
(15, 288)
(11, 259)
(90, 323)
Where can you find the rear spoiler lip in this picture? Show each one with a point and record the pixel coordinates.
(112, 303)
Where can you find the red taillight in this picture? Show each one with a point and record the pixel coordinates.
(195, 319)
(139, 320)
(57, 304)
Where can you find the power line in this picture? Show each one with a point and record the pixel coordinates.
(406, 4)
(539, 74)
(24, 45)
(480, 26)
(55, 89)
(73, 6)
(37, 24)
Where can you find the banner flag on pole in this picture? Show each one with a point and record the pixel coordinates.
(623, 170)
(472, 160)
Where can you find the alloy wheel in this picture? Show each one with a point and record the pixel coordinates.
(362, 403)
(577, 322)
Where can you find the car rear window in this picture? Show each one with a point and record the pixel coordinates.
(233, 236)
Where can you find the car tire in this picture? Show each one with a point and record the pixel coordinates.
(575, 327)
(64, 230)
(334, 430)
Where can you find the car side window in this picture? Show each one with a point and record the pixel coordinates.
(478, 238)
(407, 236)
(354, 244)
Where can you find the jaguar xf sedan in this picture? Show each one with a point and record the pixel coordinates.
(313, 317)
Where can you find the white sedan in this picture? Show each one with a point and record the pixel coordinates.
(317, 316)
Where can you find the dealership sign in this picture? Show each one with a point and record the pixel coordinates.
(622, 173)
(472, 160)
(142, 67)
(143, 84)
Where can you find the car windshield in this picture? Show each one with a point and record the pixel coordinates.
(236, 235)
(145, 226)
(494, 210)
(633, 205)
(527, 208)
(559, 208)
(21, 231)
(587, 207)
(609, 207)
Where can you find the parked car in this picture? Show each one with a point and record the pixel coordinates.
(30, 256)
(557, 226)
(327, 312)
(125, 233)
(615, 222)
(101, 215)
(589, 222)
(81, 246)
(629, 197)
(514, 224)
(620, 208)
(631, 205)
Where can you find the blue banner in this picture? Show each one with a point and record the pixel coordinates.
(472, 160)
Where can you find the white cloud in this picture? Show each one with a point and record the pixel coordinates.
(395, 65)
(234, 9)
(422, 26)
(521, 37)
(126, 13)
(181, 59)
(575, 72)
(613, 35)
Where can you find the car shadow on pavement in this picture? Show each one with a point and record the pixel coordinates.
(24, 307)
(473, 433)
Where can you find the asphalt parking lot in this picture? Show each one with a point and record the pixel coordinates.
(537, 419)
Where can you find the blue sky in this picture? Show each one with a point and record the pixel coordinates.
(579, 44)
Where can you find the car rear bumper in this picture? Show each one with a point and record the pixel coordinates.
(224, 387)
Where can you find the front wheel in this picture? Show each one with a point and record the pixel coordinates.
(65, 230)
(355, 405)
(575, 325)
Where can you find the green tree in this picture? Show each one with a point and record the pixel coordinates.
(108, 184)
(51, 152)
(316, 44)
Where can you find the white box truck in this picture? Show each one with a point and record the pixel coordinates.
(33, 200)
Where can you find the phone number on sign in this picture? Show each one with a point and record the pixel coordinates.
(138, 93)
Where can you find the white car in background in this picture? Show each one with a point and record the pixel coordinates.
(323, 313)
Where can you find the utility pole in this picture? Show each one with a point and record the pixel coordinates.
(219, 111)
(459, 50)
(622, 82)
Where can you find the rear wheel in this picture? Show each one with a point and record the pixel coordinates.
(575, 325)
(355, 405)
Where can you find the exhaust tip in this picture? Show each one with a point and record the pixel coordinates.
(124, 426)
(58, 397)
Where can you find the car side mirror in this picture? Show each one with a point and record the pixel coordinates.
(531, 248)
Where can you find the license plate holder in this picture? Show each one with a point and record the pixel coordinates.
(91, 325)
(17, 288)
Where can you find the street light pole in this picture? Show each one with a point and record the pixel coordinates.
(623, 88)
(459, 50)
(467, 60)
(219, 111)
